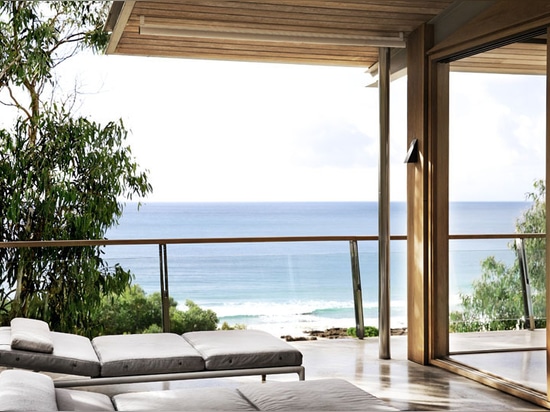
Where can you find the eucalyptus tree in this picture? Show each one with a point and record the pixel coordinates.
(62, 176)
(496, 300)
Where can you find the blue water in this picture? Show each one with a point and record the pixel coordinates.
(304, 282)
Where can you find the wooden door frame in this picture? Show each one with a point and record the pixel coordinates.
(428, 179)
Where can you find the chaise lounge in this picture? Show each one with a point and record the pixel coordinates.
(29, 391)
(29, 344)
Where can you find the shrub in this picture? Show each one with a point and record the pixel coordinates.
(237, 326)
(370, 332)
(135, 312)
(193, 319)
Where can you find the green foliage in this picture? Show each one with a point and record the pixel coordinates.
(128, 312)
(65, 185)
(35, 36)
(238, 326)
(193, 319)
(496, 301)
(370, 332)
(134, 311)
(61, 177)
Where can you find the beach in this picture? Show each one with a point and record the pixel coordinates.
(291, 288)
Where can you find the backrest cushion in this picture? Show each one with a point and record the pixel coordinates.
(22, 390)
(31, 334)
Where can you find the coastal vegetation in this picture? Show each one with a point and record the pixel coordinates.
(134, 311)
(370, 332)
(496, 301)
(62, 176)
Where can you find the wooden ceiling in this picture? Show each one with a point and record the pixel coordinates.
(518, 58)
(326, 32)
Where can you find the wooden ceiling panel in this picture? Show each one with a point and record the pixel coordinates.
(516, 58)
(326, 32)
(346, 33)
(202, 49)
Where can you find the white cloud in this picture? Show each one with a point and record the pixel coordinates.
(497, 136)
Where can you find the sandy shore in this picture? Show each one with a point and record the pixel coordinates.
(304, 329)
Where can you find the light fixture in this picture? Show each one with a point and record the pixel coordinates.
(412, 153)
(213, 32)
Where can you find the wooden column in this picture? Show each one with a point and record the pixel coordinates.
(437, 250)
(417, 191)
(547, 214)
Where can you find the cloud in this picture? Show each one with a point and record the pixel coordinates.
(335, 143)
(497, 136)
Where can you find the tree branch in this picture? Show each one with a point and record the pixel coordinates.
(16, 102)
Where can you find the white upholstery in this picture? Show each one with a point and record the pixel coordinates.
(76, 400)
(31, 334)
(31, 391)
(128, 355)
(198, 399)
(26, 391)
(73, 354)
(150, 357)
(240, 349)
(313, 395)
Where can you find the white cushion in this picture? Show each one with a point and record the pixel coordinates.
(242, 349)
(197, 399)
(77, 400)
(31, 334)
(312, 395)
(26, 391)
(72, 354)
(146, 354)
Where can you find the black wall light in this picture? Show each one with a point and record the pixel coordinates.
(412, 153)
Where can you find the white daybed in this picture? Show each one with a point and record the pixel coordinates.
(29, 344)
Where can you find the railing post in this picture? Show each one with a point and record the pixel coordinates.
(384, 206)
(525, 285)
(357, 292)
(164, 294)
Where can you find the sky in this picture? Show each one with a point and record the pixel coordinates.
(233, 131)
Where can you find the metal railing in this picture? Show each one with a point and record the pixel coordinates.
(354, 259)
(521, 256)
(163, 262)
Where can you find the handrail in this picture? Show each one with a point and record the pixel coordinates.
(253, 239)
(170, 241)
(498, 236)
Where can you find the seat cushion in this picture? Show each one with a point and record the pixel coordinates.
(312, 395)
(72, 354)
(242, 349)
(78, 400)
(197, 399)
(31, 334)
(146, 354)
(26, 391)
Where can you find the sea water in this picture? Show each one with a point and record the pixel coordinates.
(306, 285)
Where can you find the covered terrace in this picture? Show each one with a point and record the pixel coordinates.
(424, 39)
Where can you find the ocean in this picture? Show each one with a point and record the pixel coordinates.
(298, 285)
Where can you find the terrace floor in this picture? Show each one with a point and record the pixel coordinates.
(401, 383)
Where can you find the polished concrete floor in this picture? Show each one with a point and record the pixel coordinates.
(527, 368)
(403, 384)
